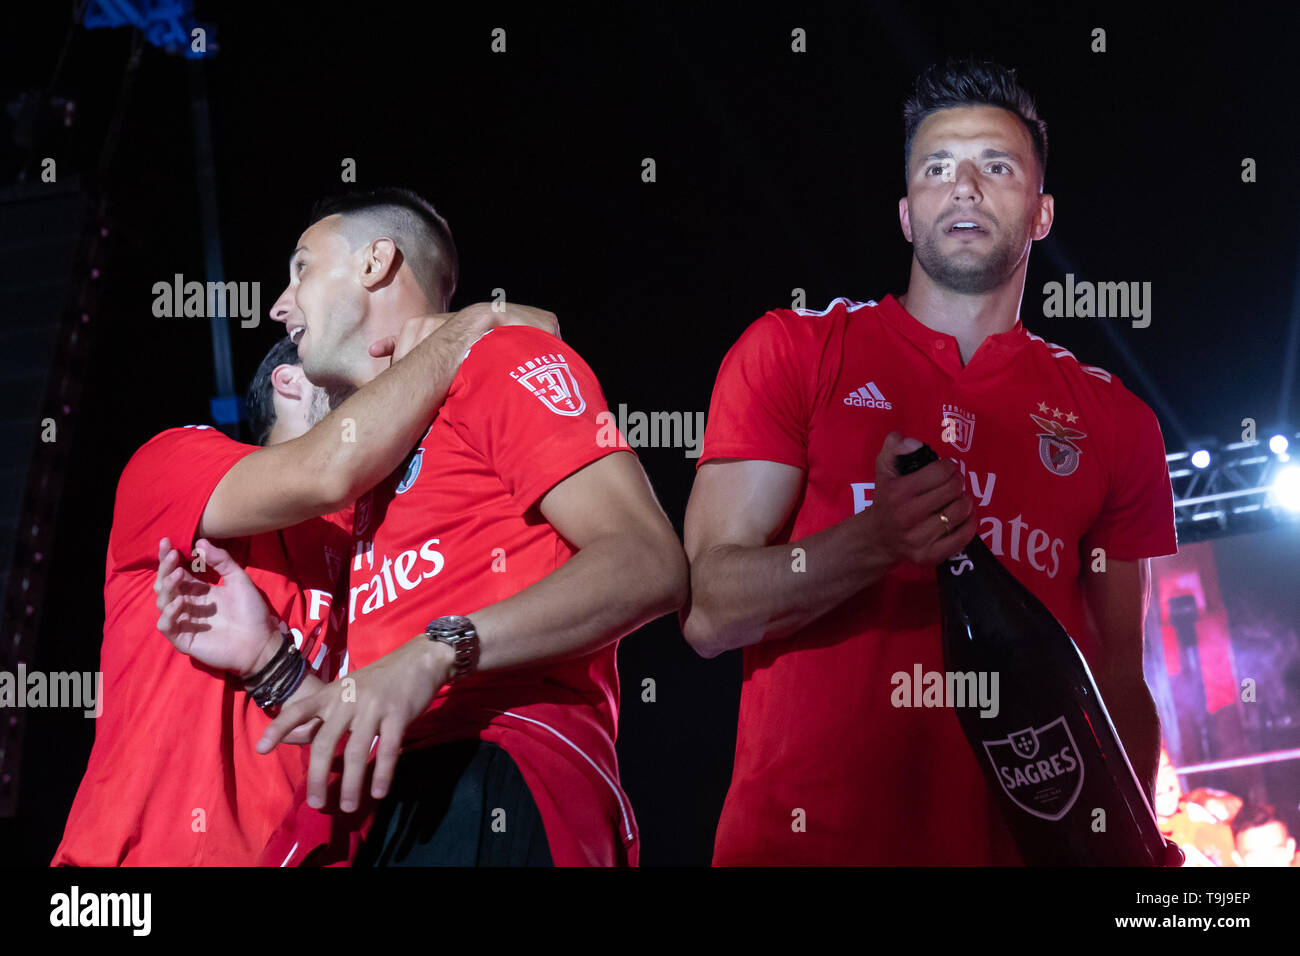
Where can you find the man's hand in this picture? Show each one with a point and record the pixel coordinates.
(905, 509)
(379, 700)
(484, 315)
(227, 626)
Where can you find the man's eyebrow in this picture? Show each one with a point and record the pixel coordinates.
(986, 154)
(295, 252)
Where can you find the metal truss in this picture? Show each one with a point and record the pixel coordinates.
(1233, 494)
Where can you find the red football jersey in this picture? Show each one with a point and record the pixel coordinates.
(457, 531)
(1060, 459)
(174, 778)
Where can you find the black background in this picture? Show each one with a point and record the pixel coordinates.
(775, 170)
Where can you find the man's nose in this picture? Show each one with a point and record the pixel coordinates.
(283, 307)
(965, 180)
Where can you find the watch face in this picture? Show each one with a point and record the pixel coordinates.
(450, 626)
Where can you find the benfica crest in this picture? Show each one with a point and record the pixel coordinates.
(1056, 448)
(1039, 769)
(548, 377)
(412, 472)
(958, 426)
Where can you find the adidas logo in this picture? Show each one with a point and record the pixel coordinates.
(867, 396)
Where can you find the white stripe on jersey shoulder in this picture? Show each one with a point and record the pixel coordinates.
(1060, 351)
(847, 303)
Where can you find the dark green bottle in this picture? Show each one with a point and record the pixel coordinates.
(1056, 767)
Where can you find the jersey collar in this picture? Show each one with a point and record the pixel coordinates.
(942, 347)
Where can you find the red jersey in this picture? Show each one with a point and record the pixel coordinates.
(1060, 459)
(457, 531)
(174, 778)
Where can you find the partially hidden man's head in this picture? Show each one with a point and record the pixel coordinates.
(282, 404)
(367, 262)
(975, 156)
(1261, 837)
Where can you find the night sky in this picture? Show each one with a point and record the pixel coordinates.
(775, 170)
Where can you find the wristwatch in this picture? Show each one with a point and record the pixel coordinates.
(458, 633)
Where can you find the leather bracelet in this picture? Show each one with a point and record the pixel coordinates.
(254, 679)
(273, 695)
(270, 695)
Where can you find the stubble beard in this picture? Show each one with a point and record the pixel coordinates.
(976, 279)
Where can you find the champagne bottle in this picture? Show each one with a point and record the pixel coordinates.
(1057, 770)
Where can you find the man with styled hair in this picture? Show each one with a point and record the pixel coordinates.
(490, 580)
(1053, 462)
(174, 778)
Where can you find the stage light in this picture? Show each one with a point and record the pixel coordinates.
(1286, 488)
(1278, 444)
(1201, 459)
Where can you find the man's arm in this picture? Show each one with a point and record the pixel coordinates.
(1116, 606)
(744, 591)
(629, 569)
(325, 470)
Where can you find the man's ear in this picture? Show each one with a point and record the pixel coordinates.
(289, 382)
(382, 260)
(905, 218)
(1046, 213)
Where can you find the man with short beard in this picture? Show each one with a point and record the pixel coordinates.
(812, 553)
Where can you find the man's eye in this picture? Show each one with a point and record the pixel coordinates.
(1002, 165)
(298, 267)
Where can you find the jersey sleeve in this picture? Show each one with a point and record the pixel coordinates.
(762, 399)
(164, 489)
(1137, 517)
(539, 413)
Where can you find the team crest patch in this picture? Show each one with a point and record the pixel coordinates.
(1056, 448)
(333, 562)
(958, 426)
(548, 377)
(412, 472)
(1039, 769)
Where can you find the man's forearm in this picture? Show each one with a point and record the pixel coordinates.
(609, 588)
(743, 595)
(1133, 712)
(362, 440)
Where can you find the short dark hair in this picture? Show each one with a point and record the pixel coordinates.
(421, 234)
(261, 395)
(970, 82)
(1254, 815)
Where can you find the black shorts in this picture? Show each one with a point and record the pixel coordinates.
(457, 804)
